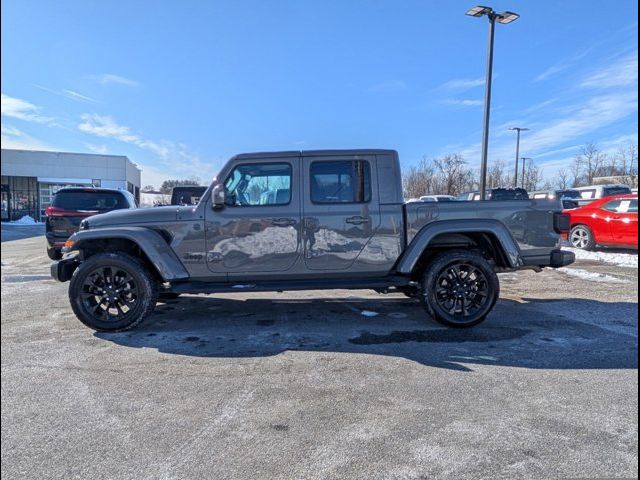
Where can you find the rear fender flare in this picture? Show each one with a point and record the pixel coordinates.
(420, 242)
(155, 247)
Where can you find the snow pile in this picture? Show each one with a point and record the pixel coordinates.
(591, 276)
(629, 260)
(26, 220)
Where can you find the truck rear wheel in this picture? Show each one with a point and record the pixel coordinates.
(112, 292)
(459, 288)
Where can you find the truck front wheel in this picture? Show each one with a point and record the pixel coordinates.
(459, 288)
(112, 292)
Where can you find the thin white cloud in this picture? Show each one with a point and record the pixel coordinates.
(175, 159)
(462, 102)
(101, 149)
(15, 138)
(71, 94)
(22, 110)
(111, 78)
(463, 84)
(622, 73)
(563, 65)
(552, 71)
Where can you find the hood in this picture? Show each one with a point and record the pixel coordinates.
(135, 216)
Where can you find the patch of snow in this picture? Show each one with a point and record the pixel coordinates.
(244, 286)
(26, 220)
(591, 276)
(368, 313)
(629, 260)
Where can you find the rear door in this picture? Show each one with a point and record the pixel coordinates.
(341, 211)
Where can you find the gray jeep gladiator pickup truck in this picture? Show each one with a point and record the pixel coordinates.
(308, 220)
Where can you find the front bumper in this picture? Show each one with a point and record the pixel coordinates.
(556, 259)
(62, 270)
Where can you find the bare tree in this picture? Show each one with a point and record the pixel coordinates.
(449, 175)
(454, 174)
(562, 179)
(532, 176)
(627, 161)
(497, 175)
(419, 179)
(590, 162)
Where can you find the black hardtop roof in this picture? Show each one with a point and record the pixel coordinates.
(315, 153)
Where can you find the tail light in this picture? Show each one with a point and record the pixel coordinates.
(561, 222)
(54, 212)
(61, 212)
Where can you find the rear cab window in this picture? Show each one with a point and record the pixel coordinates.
(90, 201)
(341, 181)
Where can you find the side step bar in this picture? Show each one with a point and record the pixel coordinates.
(279, 286)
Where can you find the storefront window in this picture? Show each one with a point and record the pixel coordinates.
(19, 198)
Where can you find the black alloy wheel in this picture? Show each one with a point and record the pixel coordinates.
(460, 288)
(112, 292)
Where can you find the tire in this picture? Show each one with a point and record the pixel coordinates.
(54, 253)
(459, 288)
(582, 237)
(118, 274)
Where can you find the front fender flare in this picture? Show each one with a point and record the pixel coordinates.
(420, 242)
(155, 247)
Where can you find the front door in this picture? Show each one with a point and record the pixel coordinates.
(340, 211)
(623, 220)
(257, 232)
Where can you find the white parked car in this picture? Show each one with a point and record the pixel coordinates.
(594, 192)
(437, 198)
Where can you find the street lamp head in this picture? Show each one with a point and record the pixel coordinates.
(479, 11)
(507, 17)
(520, 129)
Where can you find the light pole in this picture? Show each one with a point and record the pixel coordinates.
(505, 17)
(515, 176)
(524, 161)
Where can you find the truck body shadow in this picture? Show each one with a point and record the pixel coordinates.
(533, 333)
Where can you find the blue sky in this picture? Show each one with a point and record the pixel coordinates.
(181, 86)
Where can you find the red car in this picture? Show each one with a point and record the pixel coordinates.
(610, 221)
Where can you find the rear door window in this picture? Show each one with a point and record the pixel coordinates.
(89, 201)
(344, 181)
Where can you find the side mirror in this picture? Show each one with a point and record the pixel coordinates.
(218, 197)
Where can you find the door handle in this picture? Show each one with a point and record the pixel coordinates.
(357, 220)
(283, 222)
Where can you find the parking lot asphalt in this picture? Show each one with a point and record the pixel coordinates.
(322, 384)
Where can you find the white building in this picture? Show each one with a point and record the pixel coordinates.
(30, 178)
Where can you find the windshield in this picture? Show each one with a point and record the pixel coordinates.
(89, 201)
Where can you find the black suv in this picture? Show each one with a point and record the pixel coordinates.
(71, 205)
